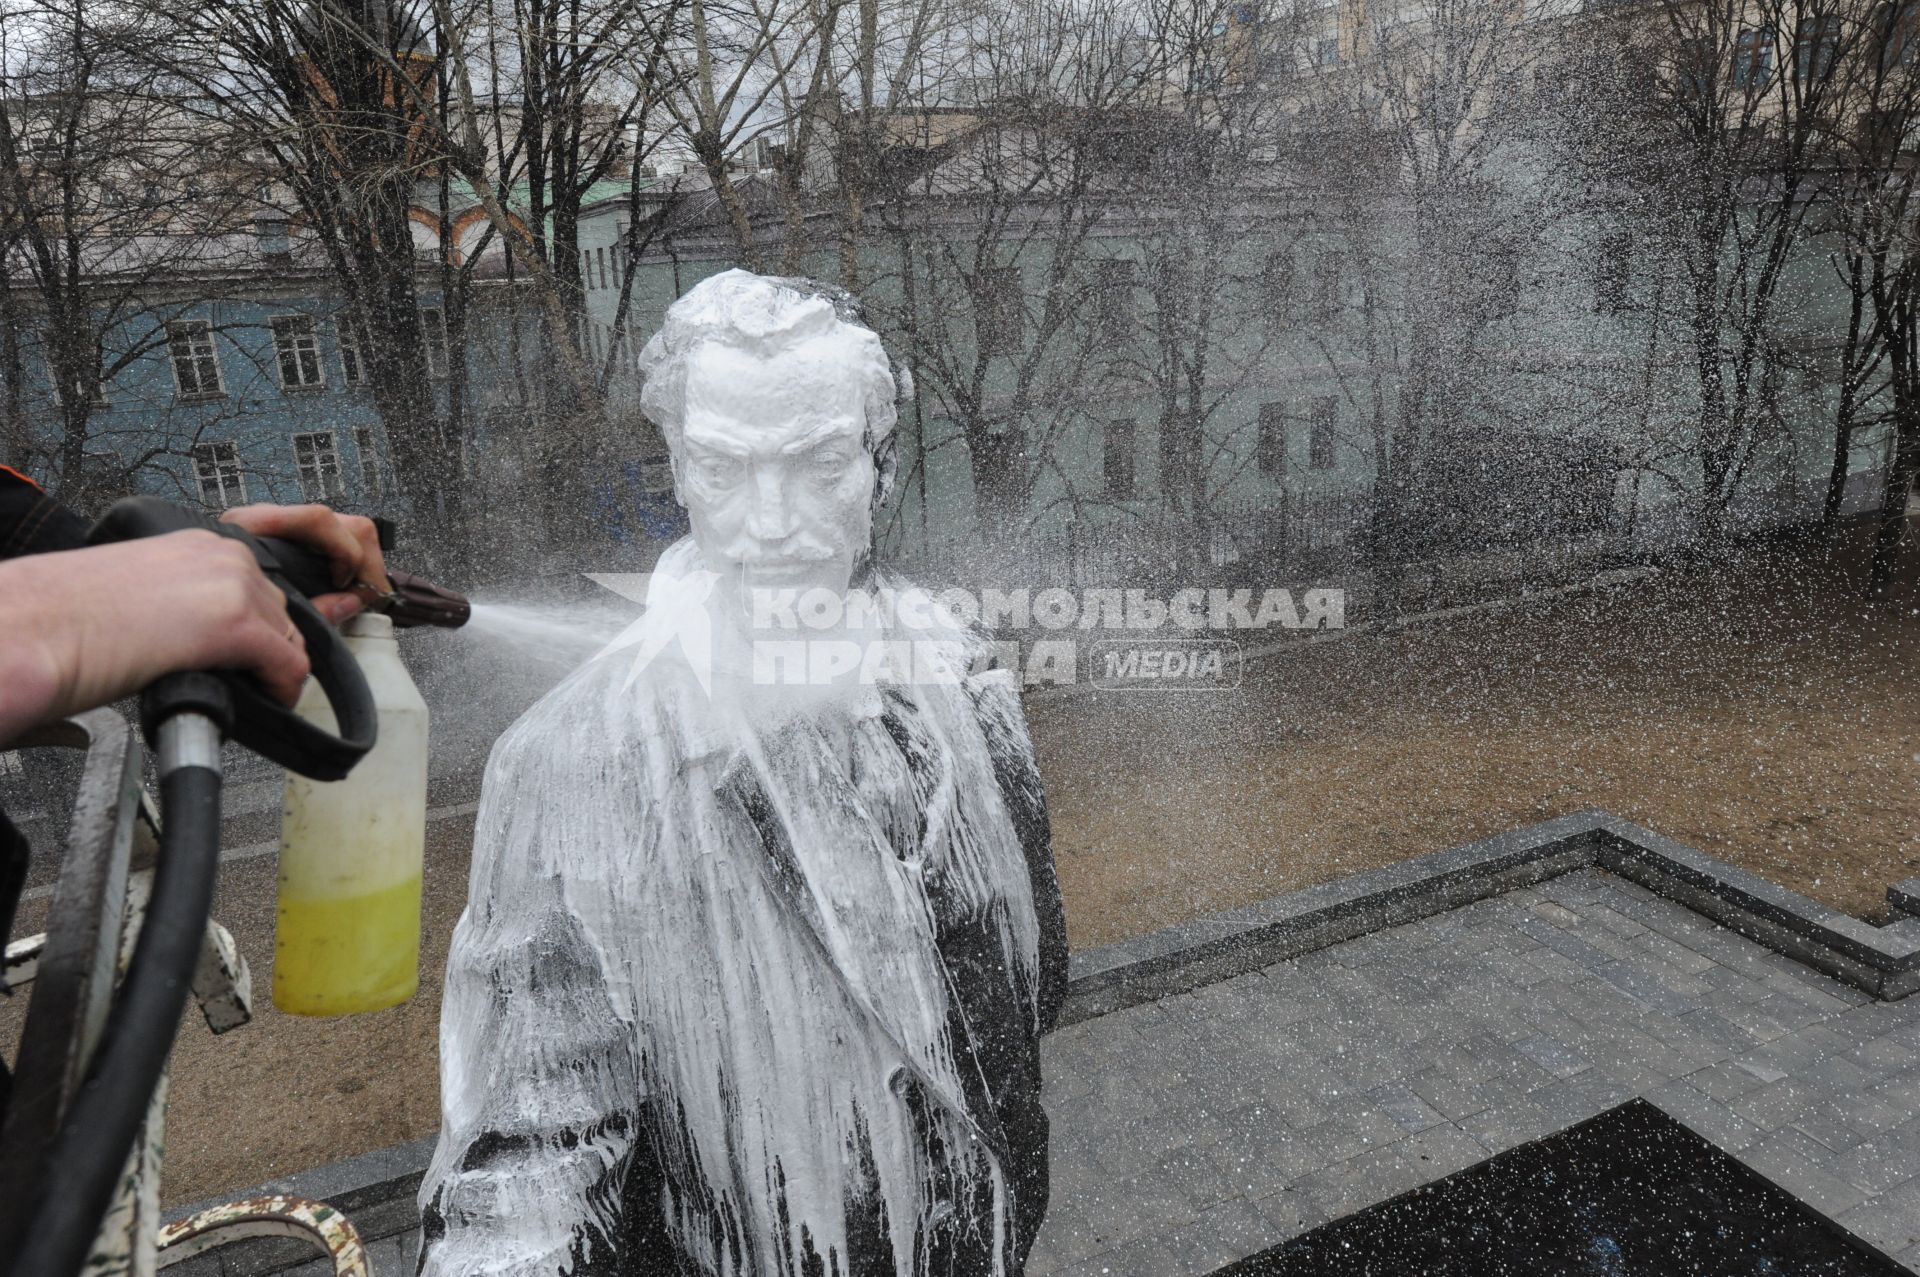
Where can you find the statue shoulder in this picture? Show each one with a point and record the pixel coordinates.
(602, 711)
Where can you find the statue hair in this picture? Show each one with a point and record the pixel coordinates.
(765, 314)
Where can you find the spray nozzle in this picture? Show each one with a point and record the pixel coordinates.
(417, 601)
(414, 600)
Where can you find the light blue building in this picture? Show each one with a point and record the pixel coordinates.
(254, 391)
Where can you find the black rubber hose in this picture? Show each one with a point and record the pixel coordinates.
(90, 1151)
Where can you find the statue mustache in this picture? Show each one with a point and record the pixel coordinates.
(749, 552)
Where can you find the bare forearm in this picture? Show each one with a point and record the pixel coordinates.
(85, 627)
(30, 689)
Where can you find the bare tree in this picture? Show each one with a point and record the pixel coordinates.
(1000, 172)
(1420, 209)
(117, 207)
(1867, 218)
(336, 96)
(745, 76)
(572, 101)
(1739, 108)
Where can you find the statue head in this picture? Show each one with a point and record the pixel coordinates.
(778, 406)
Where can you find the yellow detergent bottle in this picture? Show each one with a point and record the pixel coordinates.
(347, 932)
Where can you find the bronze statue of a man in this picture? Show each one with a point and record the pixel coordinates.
(753, 972)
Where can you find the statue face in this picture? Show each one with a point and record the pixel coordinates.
(773, 467)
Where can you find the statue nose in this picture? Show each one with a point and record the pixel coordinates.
(771, 516)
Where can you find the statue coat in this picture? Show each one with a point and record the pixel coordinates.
(731, 997)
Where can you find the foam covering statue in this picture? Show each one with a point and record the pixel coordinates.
(752, 977)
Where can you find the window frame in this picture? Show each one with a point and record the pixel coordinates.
(1329, 269)
(320, 489)
(1612, 272)
(1323, 421)
(372, 474)
(353, 351)
(1753, 58)
(283, 350)
(1273, 423)
(1816, 47)
(176, 330)
(1900, 40)
(433, 335)
(1114, 279)
(1278, 280)
(99, 399)
(209, 452)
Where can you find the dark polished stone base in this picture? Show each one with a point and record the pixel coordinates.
(1630, 1193)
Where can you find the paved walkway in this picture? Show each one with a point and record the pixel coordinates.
(1207, 1126)
(1204, 1127)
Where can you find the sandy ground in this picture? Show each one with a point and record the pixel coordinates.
(1762, 715)
(1766, 717)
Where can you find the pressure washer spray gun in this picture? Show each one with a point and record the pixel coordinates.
(353, 831)
(354, 836)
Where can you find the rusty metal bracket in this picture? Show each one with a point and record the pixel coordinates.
(325, 1228)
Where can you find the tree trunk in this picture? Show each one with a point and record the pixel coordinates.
(1902, 467)
(1851, 356)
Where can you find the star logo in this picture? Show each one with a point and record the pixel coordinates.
(675, 615)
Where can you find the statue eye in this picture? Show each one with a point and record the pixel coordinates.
(722, 470)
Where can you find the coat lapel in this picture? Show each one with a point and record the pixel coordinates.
(862, 903)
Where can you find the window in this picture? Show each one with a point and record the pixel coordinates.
(369, 463)
(196, 367)
(1276, 283)
(1326, 286)
(297, 346)
(216, 468)
(1117, 461)
(1000, 314)
(317, 458)
(1272, 454)
(600, 260)
(353, 351)
(1612, 269)
(1902, 26)
(1321, 423)
(1817, 49)
(1113, 296)
(434, 332)
(1752, 57)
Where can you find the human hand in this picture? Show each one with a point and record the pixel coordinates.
(350, 542)
(85, 627)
